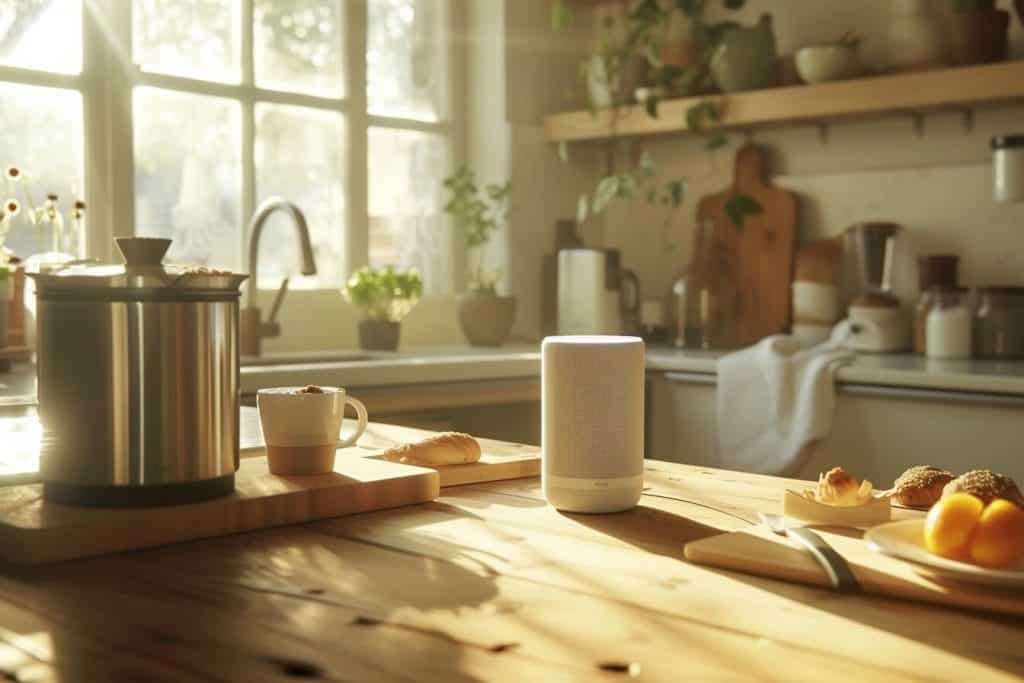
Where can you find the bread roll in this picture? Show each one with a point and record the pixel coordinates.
(986, 485)
(921, 486)
(446, 448)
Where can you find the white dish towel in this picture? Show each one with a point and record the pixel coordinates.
(774, 400)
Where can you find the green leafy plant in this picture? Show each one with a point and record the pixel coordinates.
(480, 211)
(645, 24)
(385, 293)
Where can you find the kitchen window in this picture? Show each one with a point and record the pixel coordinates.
(183, 115)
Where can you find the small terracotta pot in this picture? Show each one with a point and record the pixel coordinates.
(379, 335)
(979, 36)
(487, 319)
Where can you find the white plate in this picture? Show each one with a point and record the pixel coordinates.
(905, 540)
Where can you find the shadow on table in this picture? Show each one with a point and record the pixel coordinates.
(937, 626)
(656, 531)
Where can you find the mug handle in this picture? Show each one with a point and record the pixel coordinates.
(362, 418)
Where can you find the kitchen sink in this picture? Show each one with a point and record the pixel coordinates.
(304, 357)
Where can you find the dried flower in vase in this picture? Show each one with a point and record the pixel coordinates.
(63, 237)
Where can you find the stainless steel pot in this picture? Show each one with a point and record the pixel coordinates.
(138, 380)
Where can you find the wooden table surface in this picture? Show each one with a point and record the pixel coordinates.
(487, 583)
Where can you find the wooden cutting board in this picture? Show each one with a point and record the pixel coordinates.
(760, 255)
(33, 531)
(499, 460)
(760, 552)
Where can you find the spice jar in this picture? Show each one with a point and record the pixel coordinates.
(948, 326)
(999, 323)
(1008, 168)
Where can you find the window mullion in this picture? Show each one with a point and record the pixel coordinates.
(107, 97)
(248, 195)
(357, 220)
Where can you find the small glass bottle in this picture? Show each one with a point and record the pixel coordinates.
(712, 300)
(949, 327)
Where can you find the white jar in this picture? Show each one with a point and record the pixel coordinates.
(1008, 168)
(916, 37)
(949, 327)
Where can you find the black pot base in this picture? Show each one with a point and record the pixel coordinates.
(138, 496)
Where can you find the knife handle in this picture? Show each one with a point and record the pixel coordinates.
(839, 573)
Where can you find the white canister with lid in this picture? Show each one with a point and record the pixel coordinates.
(948, 326)
(1008, 168)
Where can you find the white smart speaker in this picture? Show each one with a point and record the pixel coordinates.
(593, 422)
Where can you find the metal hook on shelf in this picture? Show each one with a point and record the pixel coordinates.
(918, 122)
(823, 132)
(967, 119)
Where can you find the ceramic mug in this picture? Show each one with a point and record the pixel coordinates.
(301, 427)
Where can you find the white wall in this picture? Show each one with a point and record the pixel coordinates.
(938, 185)
(540, 65)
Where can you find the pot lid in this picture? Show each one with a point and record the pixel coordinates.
(143, 269)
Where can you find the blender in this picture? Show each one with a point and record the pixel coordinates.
(876, 321)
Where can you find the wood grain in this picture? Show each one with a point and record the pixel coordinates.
(487, 583)
(759, 255)
(949, 89)
(34, 531)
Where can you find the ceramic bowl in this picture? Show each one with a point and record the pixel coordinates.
(821, 63)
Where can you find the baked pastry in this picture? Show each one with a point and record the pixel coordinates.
(839, 487)
(446, 448)
(986, 485)
(921, 486)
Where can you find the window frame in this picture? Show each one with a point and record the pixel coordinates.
(107, 81)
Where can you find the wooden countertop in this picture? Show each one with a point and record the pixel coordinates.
(487, 583)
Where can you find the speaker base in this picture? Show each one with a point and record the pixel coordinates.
(598, 496)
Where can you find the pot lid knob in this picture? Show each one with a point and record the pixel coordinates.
(142, 251)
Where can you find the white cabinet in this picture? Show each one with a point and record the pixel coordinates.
(877, 432)
(681, 418)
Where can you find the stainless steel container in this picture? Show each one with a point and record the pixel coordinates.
(138, 380)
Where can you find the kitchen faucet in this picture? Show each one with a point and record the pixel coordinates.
(252, 329)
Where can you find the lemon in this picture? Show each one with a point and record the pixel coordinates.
(950, 525)
(999, 538)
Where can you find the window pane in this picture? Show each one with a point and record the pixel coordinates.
(299, 157)
(41, 34)
(188, 175)
(193, 38)
(406, 62)
(40, 134)
(298, 46)
(407, 226)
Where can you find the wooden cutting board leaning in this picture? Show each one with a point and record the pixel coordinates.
(759, 255)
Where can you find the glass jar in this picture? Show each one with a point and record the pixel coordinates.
(999, 323)
(1008, 168)
(948, 326)
(925, 303)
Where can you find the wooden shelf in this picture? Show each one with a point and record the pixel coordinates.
(957, 88)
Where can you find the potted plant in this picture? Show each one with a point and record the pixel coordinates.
(647, 25)
(485, 317)
(384, 297)
(979, 32)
